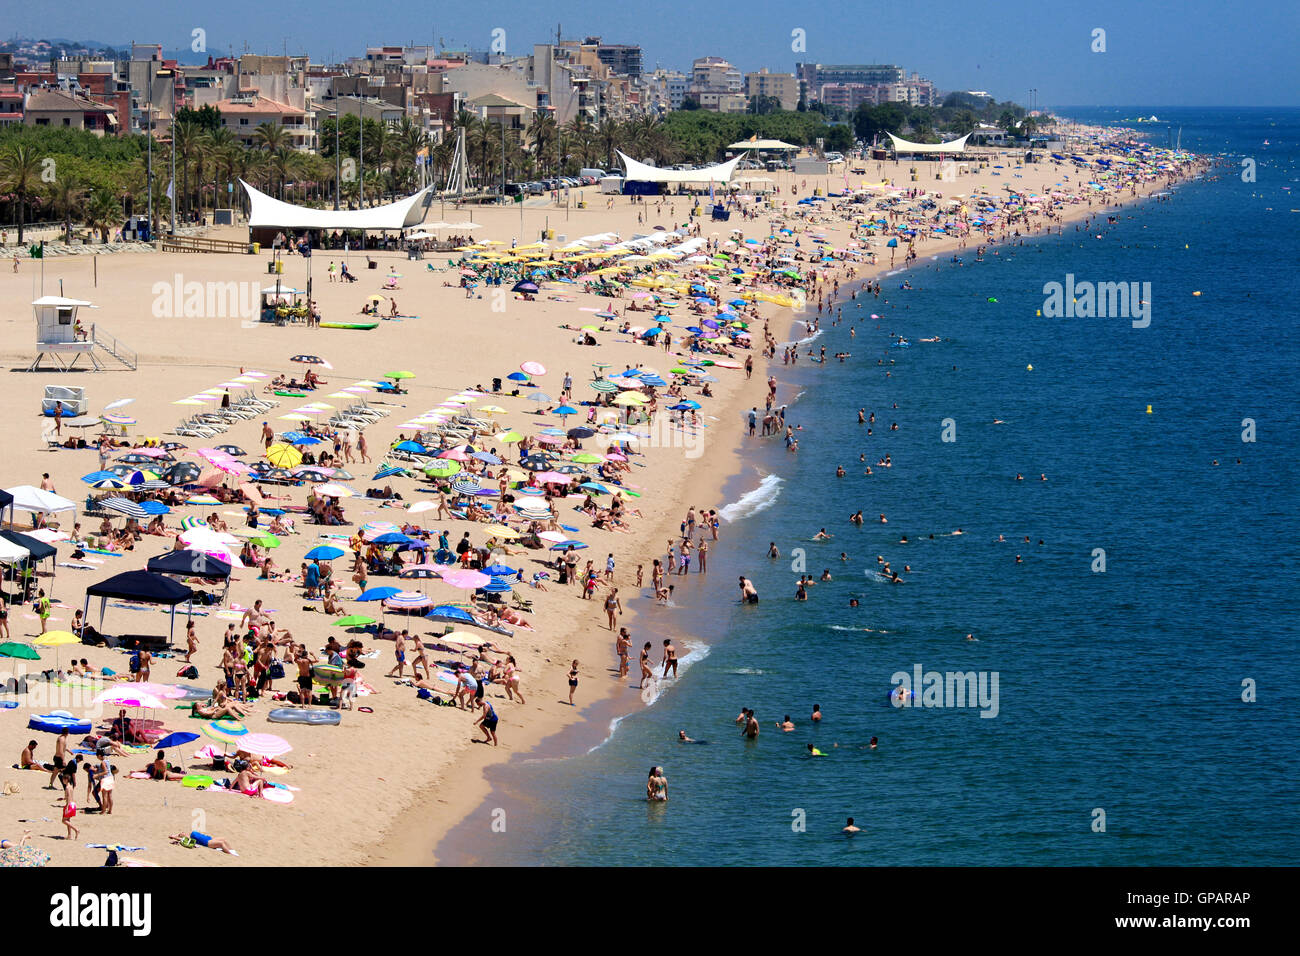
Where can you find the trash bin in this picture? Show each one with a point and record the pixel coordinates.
(254, 248)
(270, 267)
(279, 267)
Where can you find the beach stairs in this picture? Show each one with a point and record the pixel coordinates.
(105, 352)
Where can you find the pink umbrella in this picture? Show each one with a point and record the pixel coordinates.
(127, 697)
(264, 745)
(533, 368)
(547, 476)
(551, 439)
(555, 536)
(409, 600)
(455, 454)
(161, 691)
(466, 579)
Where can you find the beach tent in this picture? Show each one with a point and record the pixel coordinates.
(36, 501)
(192, 564)
(640, 172)
(952, 146)
(36, 550)
(139, 587)
(266, 211)
(7, 502)
(768, 145)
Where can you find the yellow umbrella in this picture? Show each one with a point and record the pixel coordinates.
(56, 639)
(284, 456)
(501, 531)
(295, 417)
(630, 398)
(510, 438)
(374, 298)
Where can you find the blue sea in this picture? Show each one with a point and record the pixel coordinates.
(1121, 735)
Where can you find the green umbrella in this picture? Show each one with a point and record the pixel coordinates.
(397, 375)
(354, 620)
(265, 541)
(22, 651)
(586, 458)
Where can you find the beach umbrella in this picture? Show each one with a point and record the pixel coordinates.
(502, 531)
(580, 432)
(540, 397)
(408, 601)
(378, 594)
(56, 639)
(587, 458)
(497, 587)
(224, 731)
(397, 376)
(411, 446)
(282, 455)
(178, 738)
(496, 570)
(264, 745)
(392, 537)
(603, 385)
(486, 457)
(566, 544)
(420, 571)
(533, 368)
(324, 552)
(388, 471)
(466, 579)
(16, 857)
(565, 410)
(19, 651)
(110, 481)
(596, 487)
(354, 620)
(334, 490)
(124, 506)
(128, 697)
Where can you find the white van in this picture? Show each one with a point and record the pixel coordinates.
(596, 174)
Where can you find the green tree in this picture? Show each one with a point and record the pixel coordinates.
(20, 166)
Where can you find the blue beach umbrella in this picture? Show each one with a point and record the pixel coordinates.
(378, 594)
(324, 553)
(392, 537)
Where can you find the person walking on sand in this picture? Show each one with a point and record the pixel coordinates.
(573, 682)
(362, 448)
(399, 651)
(646, 670)
(613, 607)
(488, 722)
(191, 641)
(43, 609)
(69, 806)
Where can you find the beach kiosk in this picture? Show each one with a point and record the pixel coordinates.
(65, 336)
(277, 305)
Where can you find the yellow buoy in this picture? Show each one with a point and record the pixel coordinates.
(1029, 368)
(1196, 293)
(1039, 312)
(1148, 409)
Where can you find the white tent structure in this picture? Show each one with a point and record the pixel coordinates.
(763, 145)
(34, 500)
(266, 211)
(952, 146)
(11, 553)
(640, 172)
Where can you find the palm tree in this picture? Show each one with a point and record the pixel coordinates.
(272, 138)
(221, 146)
(185, 138)
(69, 194)
(19, 172)
(102, 212)
(610, 137)
(541, 138)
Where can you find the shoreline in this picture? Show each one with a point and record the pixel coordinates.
(475, 797)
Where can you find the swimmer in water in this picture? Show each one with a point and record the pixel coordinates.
(849, 827)
(853, 602)
(821, 535)
(843, 556)
(786, 725)
(773, 551)
(816, 713)
(814, 752)
(681, 736)
(873, 743)
(839, 472)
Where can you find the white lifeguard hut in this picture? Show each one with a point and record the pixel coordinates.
(64, 338)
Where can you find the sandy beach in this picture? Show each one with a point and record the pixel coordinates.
(382, 787)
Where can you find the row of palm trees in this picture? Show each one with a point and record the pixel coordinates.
(397, 159)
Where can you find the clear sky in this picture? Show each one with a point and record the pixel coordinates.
(1158, 53)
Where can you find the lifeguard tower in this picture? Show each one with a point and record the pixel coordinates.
(65, 338)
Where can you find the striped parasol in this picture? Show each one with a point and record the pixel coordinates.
(123, 506)
(264, 745)
(224, 731)
(408, 601)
